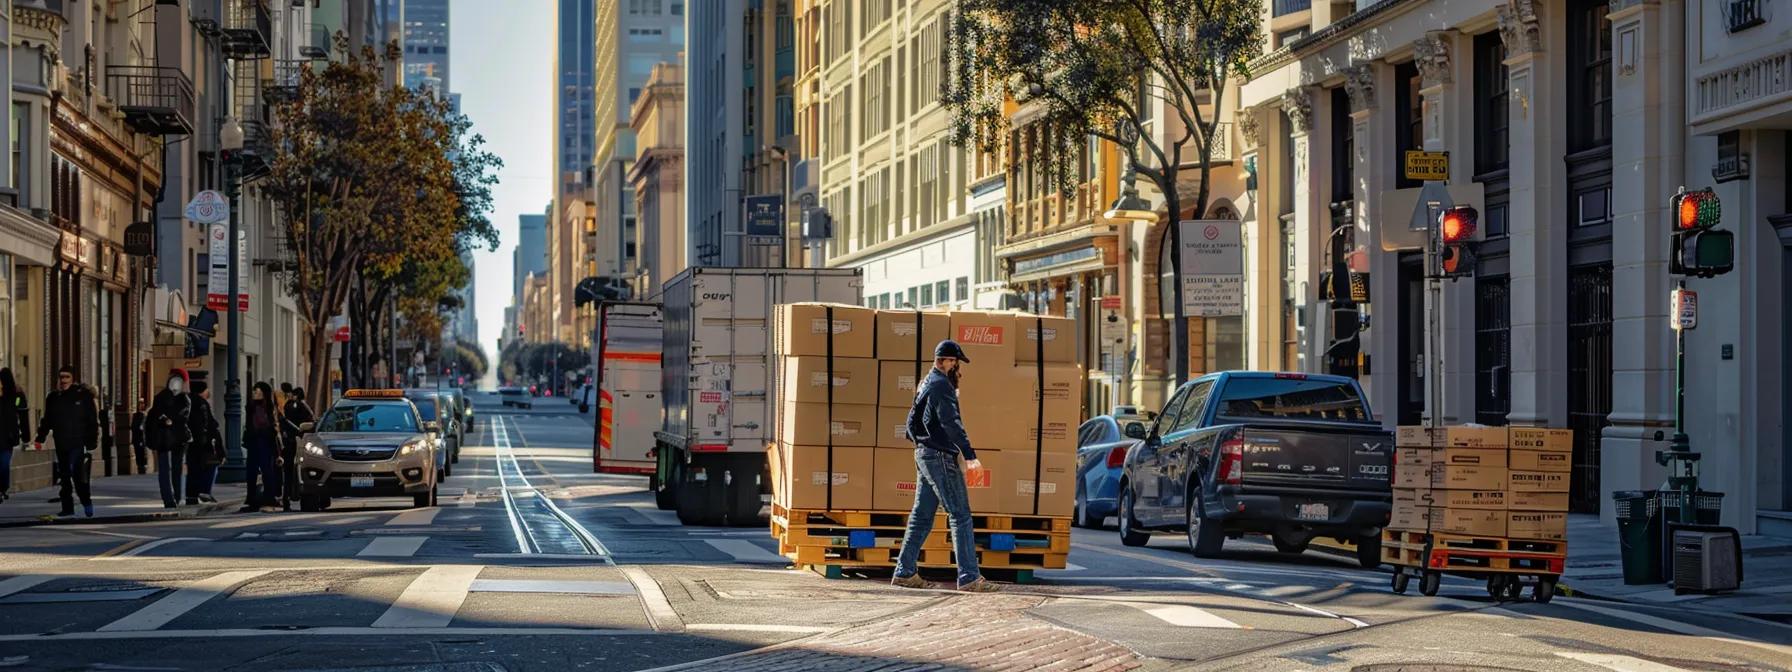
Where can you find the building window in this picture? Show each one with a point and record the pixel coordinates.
(1590, 75)
(926, 296)
(943, 290)
(1343, 148)
(1288, 37)
(914, 293)
(884, 302)
(1492, 116)
(964, 289)
(1495, 220)
(678, 9)
(1286, 7)
(1409, 117)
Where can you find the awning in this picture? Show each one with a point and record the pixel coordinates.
(1082, 236)
(1061, 270)
(31, 240)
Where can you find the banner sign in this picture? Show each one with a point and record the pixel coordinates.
(1212, 259)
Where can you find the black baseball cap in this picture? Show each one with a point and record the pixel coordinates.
(949, 348)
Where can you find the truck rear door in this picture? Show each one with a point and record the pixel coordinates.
(1302, 432)
(628, 399)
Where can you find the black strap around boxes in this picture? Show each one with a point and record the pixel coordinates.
(829, 383)
(920, 352)
(1039, 409)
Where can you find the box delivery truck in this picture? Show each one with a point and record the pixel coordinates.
(625, 386)
(710, 456)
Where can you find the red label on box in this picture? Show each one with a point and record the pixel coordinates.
(979, 335)
(709, 397)
(976, 478)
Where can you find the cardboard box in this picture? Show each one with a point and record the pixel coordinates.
(1413, 495)
(1056, 335)
(981, 484)
(1469, 522)
(1450, 437)
(806, 424)
(1494, 500)
(803, 477)
(1410, 516)
(1542, 526)
(804, 329)
(987, 338)
(1467, 457)
(854, 379)
(1537, 501)
(893, 479)
(897, 382)
(1468, 478)
(1413, 457)
(908, 335)
(1008, 408)
(1538, 438)
(1057, 483)
(1412, 477)
(1539, 481)
(892, 428)
(1536, 460)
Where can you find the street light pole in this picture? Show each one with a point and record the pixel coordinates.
(232, 471)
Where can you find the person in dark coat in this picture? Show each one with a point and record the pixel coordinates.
(297, 414)
(139, 442)
(167, 430)
(205, 447)
(12, 427)
(262, 444)
(72, 416)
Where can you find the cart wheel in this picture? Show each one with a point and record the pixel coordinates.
(1514, 589)
(1546, 589)
(1400, 581)
(1430, 582)
(1496, 584)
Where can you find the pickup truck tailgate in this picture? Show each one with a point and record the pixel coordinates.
(1329, 457)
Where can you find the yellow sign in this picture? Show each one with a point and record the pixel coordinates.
(375, 394)
(1427, 166)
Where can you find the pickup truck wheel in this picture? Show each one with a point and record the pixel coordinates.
(1130, 534)
(1368, 551)
(1204, 539)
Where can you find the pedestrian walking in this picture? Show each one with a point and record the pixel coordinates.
(71, 415)
(297, 414)
(205, 447)
(167, 429)
(139, 442)
(13, 420)
(262, 444)
(939, 436)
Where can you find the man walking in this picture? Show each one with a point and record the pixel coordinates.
(295, 416)
(71, 414)
(168, 427)
(934, 425)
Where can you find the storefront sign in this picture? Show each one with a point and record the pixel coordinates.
(209, 207)
(69, 248)
(1023, 266)
(765, 215)
(1427, 166)
(1212, 268)
(140, 239)
(218, 283)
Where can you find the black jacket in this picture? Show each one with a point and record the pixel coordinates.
(169, 423)
(13, 421)
(253, 429)
(73, 416)
(933, 420)
(297, 413)
(205, 443)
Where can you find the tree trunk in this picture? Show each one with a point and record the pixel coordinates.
(318, 378)
(1179, 323)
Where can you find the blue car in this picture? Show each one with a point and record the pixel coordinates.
(1101, 447)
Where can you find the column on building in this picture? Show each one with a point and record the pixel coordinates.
(1445, 107)
(1648, 116)
(1373, 163)
(1539, 253)
(1311, 228)
(1259, 212)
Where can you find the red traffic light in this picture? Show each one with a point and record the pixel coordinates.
(1695, 210)
(1457, 224)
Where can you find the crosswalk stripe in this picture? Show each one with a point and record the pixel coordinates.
(23, 583)
(432, 598)
(415, 517)
(161, 611)
(747, 551)
(392, 547)
(144, 548)
(1620, 663)
(1184, 615)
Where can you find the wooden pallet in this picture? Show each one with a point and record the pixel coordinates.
(1407, 538)
(821, 542)
(1459, 553)
(829, 560)
(982, 522)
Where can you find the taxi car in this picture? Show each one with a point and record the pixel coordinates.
(370, 443)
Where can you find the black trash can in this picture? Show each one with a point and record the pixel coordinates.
(1639, 535)
(1707, 507)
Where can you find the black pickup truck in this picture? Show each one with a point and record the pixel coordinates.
(1294, 456)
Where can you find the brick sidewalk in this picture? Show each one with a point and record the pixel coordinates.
(969, 632)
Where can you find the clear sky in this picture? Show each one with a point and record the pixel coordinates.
(502, 61)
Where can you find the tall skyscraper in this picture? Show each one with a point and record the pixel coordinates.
(424, 33)
(714, 110)
(631, 38)
(530, 254)
(575, 140)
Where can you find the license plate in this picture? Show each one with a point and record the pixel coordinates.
(360, 481)
(1317, 511)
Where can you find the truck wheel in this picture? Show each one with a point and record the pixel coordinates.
(743, 492)
(689, 495)
(1286, 545)
(1130, 534)
(1204, 539)
(1368, 551)
(663, 495)
(715, 497)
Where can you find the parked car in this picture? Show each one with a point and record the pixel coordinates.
(433, 405)
(1293, 456)
(1101, 446)
(517, 397)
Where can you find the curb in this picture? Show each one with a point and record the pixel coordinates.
(177, 514)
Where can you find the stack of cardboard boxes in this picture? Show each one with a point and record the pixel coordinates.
(1483, 482)
(1020, 399)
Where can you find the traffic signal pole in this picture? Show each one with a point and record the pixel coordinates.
(1434, 327)
(1684, 472)
(1695, 214)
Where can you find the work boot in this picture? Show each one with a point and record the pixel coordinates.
(87, 509)
(979, 586)
(910, 581)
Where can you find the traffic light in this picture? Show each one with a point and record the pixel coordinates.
(1698, 250)
(1456, 232)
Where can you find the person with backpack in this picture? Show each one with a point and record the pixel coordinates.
(167, 430)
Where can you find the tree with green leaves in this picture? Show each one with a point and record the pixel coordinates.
(1109, 69)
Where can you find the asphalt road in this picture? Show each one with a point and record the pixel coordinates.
(532, 562)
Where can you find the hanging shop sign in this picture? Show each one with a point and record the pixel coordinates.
(209, 207)
(140, 239)
(1212, 268)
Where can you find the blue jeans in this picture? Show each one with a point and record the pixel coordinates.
(5, 469)
(168, 466)
(939, 480)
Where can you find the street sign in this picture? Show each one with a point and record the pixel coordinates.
(765, 215)
(209, 207)
(140, 239)
(1686, 309)
(1212, 268)
(1427, 166)
(242, 270)
(1113, 327)
(1110, 303)
(218, 281)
